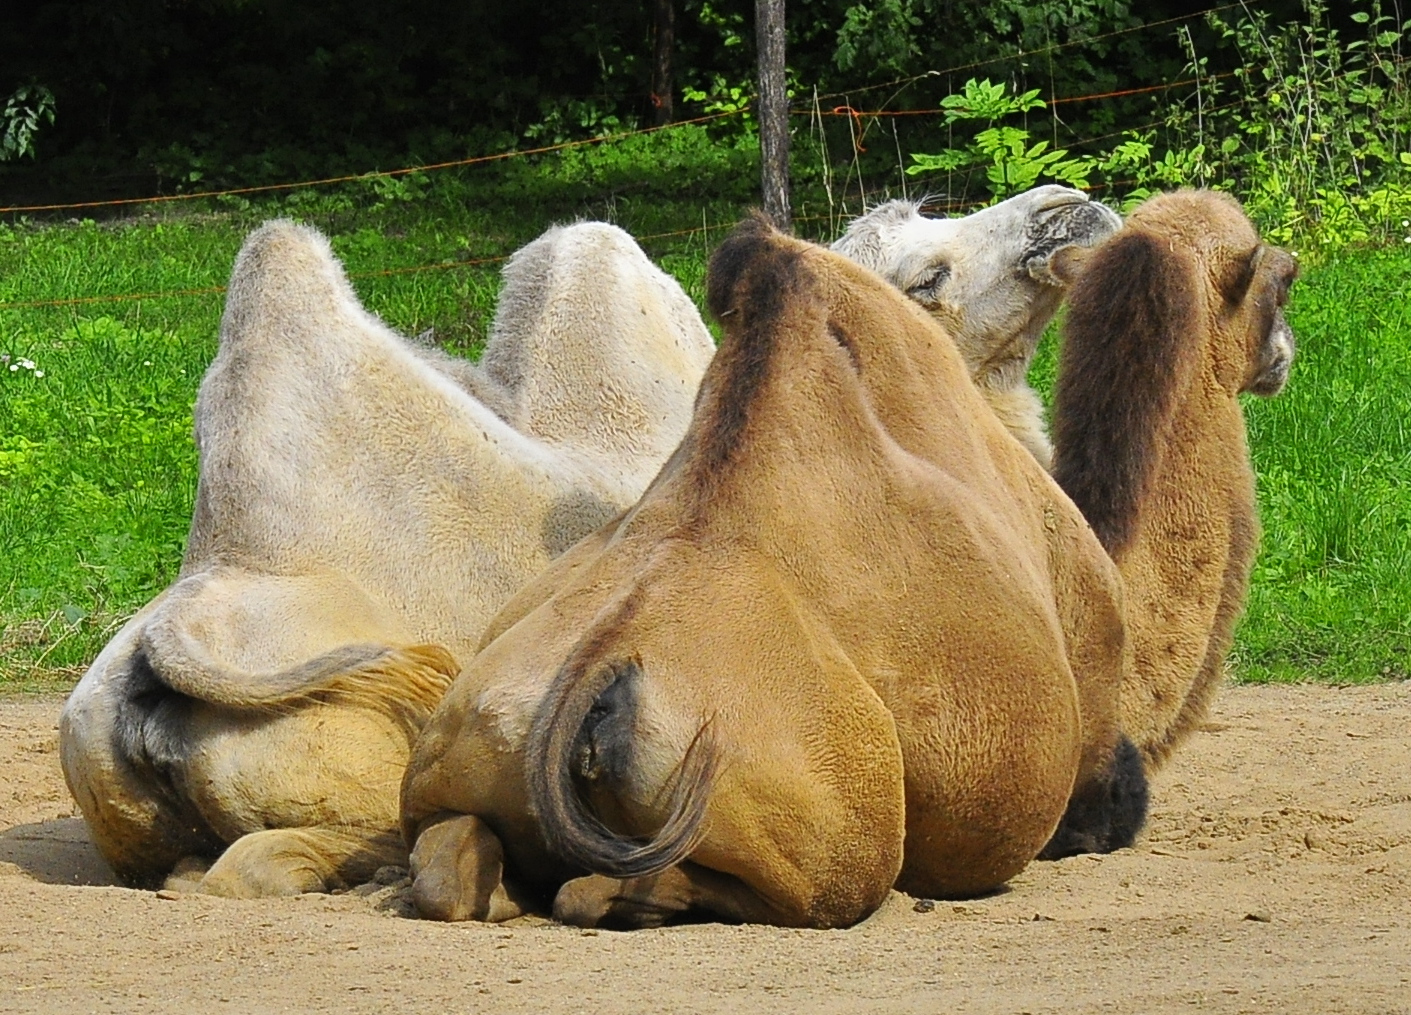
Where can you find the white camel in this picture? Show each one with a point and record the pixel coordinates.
(359, 518)
(990, 280)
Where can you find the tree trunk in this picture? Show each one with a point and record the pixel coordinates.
(773, 111)
(663, 43)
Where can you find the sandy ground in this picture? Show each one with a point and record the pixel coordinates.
(1275, 876)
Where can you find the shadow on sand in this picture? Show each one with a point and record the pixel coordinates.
(56, 852)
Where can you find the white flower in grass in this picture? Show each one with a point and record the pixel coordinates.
(39, 373)
(146, 363)
(14, 367)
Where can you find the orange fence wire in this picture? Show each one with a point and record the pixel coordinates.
(518, 153)
(857, 114)
(267, 187)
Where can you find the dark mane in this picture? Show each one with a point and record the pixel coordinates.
(1129, 348)
(751, 279)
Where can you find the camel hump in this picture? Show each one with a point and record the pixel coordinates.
(217, 638)
(1130, 348)
(584, 303)
(583, 736)
(755, 252)
(285, 272)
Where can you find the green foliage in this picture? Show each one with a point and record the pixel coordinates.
(1317, 144)
(25, 110)
(577, 118)
(722, 97)
(880, 34)
(684, 159)
(1013, 162)
(1314, 133)
(92, 471)
(1330, 597)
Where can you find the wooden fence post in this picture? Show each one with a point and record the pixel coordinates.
(663, 43)
(773, 111)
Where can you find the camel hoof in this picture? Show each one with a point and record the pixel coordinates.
(597, 901)
(457, 870)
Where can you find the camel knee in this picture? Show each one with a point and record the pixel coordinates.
(457, 868)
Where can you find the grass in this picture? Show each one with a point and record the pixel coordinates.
(97, 467)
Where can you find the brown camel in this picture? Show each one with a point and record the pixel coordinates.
(851, 614)
(1169, 321)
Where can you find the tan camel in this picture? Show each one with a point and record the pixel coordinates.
(359, 518)
(1169, 321)
(851, 615)
(949, 266)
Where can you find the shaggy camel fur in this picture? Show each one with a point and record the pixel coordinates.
(1168, 322)
(852, 613)
(989, 279)
(359, 518)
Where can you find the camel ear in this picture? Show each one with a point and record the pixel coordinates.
(1062, 267)
(1238, 277)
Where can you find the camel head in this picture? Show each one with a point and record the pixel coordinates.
(1168, 322)
(988, 278)
(1247, 285)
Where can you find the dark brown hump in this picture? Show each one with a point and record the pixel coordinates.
(1129, 348)
(752, 278)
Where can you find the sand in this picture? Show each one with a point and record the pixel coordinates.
(1274, 876)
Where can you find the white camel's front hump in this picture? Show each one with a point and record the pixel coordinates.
(360, 515)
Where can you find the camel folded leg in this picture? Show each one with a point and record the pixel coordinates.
(458, 872)
(291, 861)
(631, 903)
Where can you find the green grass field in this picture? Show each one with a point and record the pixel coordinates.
(97, 466)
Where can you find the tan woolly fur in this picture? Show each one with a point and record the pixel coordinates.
(1169, 322)
(852, 636)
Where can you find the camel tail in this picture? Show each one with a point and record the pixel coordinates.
(582, 738)
(405, 683)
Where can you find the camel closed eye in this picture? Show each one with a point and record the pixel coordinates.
(927, 289)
